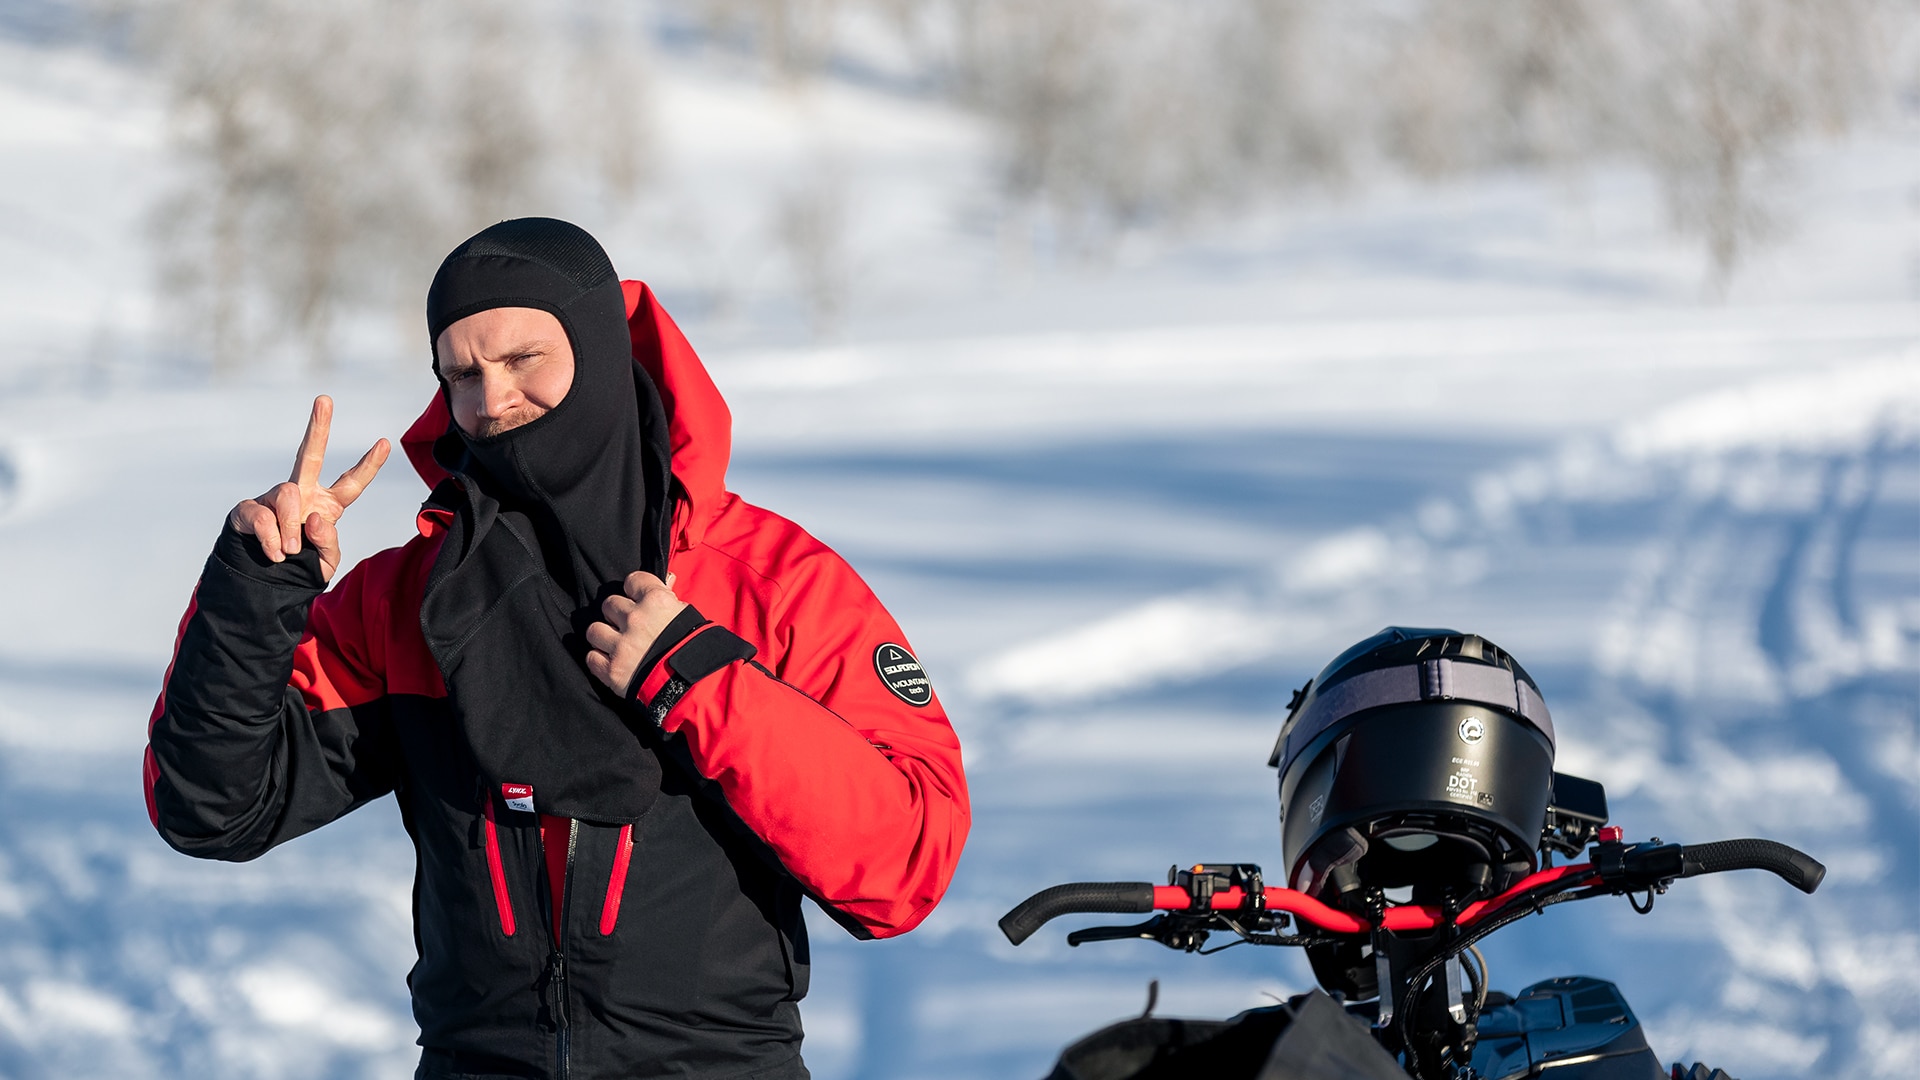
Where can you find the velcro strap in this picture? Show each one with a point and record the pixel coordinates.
(1487, 685)
(709, 649)
(698, 655)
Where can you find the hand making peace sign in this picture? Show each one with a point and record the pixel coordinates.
(277, 518)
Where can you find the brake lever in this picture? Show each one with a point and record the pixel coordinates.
(1149, 930)
(1174, 933)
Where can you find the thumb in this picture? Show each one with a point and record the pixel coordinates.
(325, 540)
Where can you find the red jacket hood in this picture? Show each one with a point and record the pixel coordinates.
(700, 429)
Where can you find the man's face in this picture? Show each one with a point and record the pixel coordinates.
(504, 367)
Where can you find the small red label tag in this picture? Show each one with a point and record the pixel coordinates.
(518, 796)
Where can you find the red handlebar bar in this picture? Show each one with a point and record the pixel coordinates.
(1403, 918)
(1616, 867)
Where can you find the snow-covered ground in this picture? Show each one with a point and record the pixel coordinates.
(1122, 509)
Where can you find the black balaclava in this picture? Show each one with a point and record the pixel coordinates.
(549, 519)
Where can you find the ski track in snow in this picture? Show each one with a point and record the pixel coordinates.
(1116, 547)
(1723, 604)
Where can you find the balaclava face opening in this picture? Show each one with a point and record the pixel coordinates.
(556, 513)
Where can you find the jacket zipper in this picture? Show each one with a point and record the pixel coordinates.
(617, 881)
(502, 900)
(557, 960)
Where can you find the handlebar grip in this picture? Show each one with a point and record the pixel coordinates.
(1117, 897)
(1797, 868)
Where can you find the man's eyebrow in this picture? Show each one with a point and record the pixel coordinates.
(529, 347)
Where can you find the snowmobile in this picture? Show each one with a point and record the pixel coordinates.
(1419, 814)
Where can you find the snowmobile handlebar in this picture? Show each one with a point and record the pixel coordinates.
(1639, 866)
(1796, 868)
(1077, 898)
(1615, 867)
(1134, 897)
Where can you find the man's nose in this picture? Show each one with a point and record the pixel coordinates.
(498, 394)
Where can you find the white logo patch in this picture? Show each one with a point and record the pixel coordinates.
(518, 796)
(1472, 730)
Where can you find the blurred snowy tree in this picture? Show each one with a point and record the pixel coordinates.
(332, 152)
(1116, 114)
(810, 223)
(1709, 95)
(1733, 85)
(794, 36)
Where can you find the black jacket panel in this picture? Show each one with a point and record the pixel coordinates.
(698, 976)
(241, 761)
(702, 956)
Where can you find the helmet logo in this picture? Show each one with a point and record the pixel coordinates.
(1472, 730)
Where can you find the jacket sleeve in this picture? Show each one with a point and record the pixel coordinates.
(272, 720)
(858, 792)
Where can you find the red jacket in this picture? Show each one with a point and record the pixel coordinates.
(855, 789)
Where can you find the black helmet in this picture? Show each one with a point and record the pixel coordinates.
(1418, 758)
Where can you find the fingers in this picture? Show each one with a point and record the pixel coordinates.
(287, 509)
(633, 622)
(602, 637)
(355, 480)
(616, 609)
(600, 666)
(278, 518)
(253, 518)
(612, 658)
(313, 445)
(639, 583)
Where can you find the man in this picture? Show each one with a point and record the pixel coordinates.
(629, 719)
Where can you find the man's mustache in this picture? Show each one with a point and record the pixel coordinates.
(517, 418)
